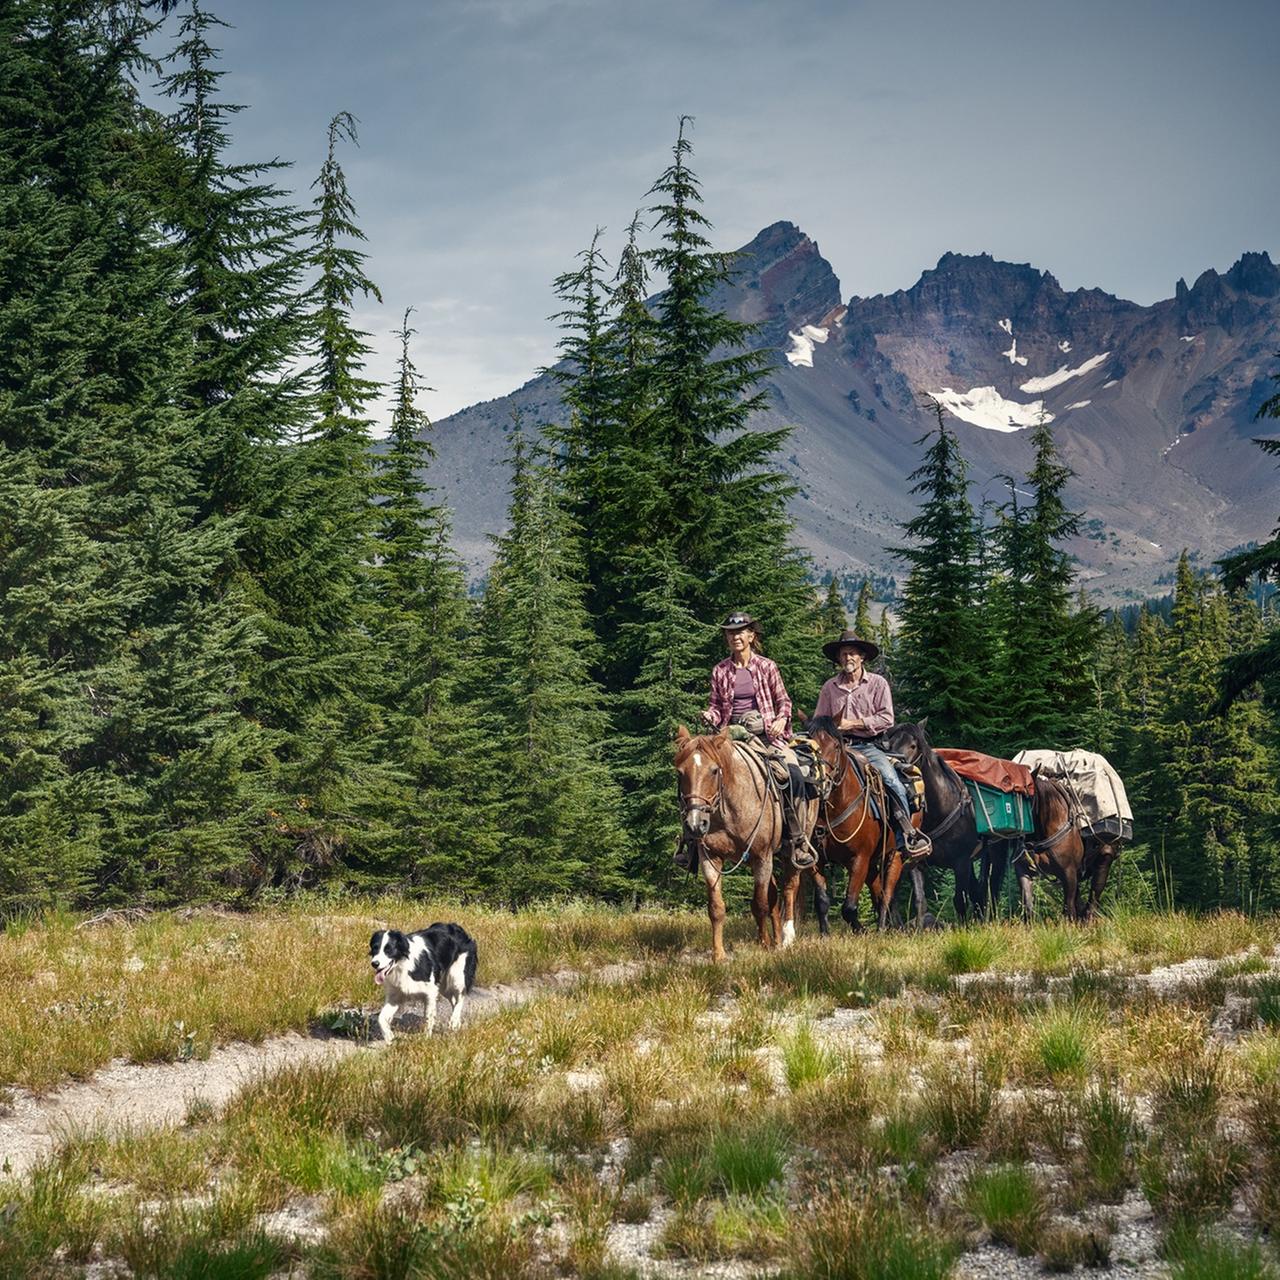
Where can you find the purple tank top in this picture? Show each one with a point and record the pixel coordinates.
(744, 693)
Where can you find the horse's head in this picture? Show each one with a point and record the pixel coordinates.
(700, 777)
(908, 740)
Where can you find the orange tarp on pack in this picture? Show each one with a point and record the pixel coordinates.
(991, 771)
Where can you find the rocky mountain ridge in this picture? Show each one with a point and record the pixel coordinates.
(1152, 405)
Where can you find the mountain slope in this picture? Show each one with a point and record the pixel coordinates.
(1152, 406)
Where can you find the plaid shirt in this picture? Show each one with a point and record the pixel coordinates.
(771, 694)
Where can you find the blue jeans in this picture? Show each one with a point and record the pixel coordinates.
(884, 767)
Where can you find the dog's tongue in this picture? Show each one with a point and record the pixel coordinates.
(377, 977)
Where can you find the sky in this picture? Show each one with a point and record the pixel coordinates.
(1116, 143)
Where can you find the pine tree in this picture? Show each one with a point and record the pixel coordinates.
(1046, 645)
(422, 623)
(321, 683)
(862, 611)
(834, 618)
(940, 662)
(127, 667)
(550, 802)
(1261, 663)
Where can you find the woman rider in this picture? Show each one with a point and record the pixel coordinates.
(747, 690)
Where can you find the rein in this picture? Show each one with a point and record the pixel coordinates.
(689, 804)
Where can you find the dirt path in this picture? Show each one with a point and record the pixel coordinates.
(126, 1096)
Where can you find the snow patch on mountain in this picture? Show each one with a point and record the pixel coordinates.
(1115, 382)
(804, 343)
(1012, 354)
(1051, 380)
(1064, 347)
(1007, 326)
(985, 407)
(1189, 337)
(1080, 404)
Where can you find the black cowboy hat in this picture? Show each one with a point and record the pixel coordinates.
(870, 652)
(738, 621)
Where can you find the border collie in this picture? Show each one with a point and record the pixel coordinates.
(419, 966)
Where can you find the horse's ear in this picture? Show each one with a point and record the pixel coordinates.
(923, 722)
(682, 734)
(723, 735)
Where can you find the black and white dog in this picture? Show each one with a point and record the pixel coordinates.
(421, 965)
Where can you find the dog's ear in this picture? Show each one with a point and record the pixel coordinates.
(398, 945)
(375, 942)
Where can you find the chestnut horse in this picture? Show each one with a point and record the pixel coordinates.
(1057, 846)
(732, 814)
(855, 838)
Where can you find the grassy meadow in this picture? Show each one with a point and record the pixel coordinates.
(859, 1107)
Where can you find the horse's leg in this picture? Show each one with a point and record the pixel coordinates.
(789, 892)
(712, 871)
(962, 890)
(859, 865)
(890, 877)
(821, 902)
(1102, 868)
(1069, 879)
(1028, 895)
(917, 894)
(762, 873)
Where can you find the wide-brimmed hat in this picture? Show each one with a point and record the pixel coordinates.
(870, 652)
(738, 621)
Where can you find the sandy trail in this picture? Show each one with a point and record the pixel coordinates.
(131, 1097)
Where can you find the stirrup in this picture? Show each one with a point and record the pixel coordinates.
(803, 858)
(918, 848)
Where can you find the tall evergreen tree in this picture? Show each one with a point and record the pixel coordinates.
(127, 668)
(1261, 662)
(862, 610)
(1046, 637)
(940, 662)
(550, 803)
(322, 674)
(422, 623)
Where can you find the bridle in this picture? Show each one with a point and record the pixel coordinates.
(694, 803)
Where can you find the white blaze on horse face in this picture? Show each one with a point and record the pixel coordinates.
(697, 759)
(788, 933)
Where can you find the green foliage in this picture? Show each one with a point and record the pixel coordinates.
(941, 659)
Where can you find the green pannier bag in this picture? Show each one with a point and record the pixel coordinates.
(1000, 813)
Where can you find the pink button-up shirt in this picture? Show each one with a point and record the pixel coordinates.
(771, 694)
(868, 700)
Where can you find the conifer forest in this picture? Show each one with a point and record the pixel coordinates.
(240, 657)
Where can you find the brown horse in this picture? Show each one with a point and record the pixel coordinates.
(733, 815)
(1057, 847)
(855, 838)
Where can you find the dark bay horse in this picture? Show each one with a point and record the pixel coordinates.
(1060, 848)
(733, 815)
(855, 838)
(949, 823)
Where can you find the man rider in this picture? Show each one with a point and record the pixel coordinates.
(860, 703)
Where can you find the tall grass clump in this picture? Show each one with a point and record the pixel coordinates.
(747, 1161)
(1108, 1130)
(955, 1103)
(970, 951)
(806, 1061)
(49, 1213)
(1064, 1039)
(216, 1241)
(1210, 1256)
(863, 1233)
(1008, 1201)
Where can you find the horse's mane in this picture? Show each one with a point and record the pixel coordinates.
(824, 724)
(698, 742)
